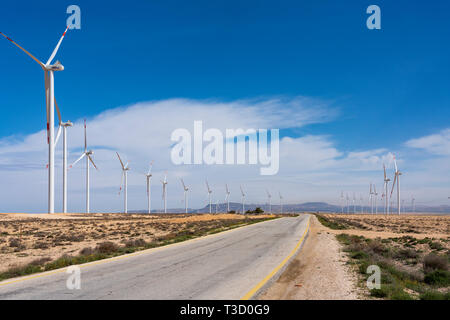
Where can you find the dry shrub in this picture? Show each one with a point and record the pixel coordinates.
(434, 262)
(107, 247)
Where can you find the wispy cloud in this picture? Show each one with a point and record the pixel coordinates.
(438, 144)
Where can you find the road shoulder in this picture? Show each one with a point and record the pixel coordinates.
(318, 272)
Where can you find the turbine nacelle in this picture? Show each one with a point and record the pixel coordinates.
(57, 66)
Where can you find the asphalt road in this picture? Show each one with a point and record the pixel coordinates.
(226, 265)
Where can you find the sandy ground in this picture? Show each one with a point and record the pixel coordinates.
(318, 272)
(27, 237)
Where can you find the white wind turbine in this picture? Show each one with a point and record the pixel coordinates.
(281, 202)
(270, 202)
(397, 175)
(361, 201)
(227, 197)
(64, 125)
(87, 153)
(348, 203)
(124, 183)
(354, 203)
(376, 198)
(386, 192)
(243, 200)
(413, 204)
(209, 196)
(342, 201)
(371, 198)
(186, 189)
(50, 106)
(164, 191)
(149, 176)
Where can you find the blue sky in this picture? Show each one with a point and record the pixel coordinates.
(386, 86)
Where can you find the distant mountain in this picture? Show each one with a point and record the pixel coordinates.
(302, 207)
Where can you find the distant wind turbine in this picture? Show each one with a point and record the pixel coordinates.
(243, 200)
(227, 197)
(164, 191)
(269, 196)
(281, 202)
(386, 192)
(185, 189)
(124, 184)
(209, 196)
(397, 175)
(149, 176)
(87, 153)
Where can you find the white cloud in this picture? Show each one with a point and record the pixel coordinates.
(438, 144)
(311, 167)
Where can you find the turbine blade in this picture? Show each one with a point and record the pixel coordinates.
(58, 134)
(121, 163)
(56, 48)
(82, 156)
(92, 161)
(121, 182)
(58, 112)
(85, 136)
(47, 105)
(393, 184)
(32, 57)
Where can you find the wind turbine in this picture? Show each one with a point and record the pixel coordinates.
(371, 198)
(397, 175)
(348, 204)
(413, 204)
(124, 183)
(376, 198)
(186, 189)
(209, 195)
(243, 200)
(342, 201)
(270, 202)
(361, 200)
(281, 202)
(227, 197)
(149, 176)
(386, 193)
(64, 125)
(50, 106)
(164, 192)
(354, 203)
(87, 153)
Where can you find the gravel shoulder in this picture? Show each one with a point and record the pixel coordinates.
(318, 272)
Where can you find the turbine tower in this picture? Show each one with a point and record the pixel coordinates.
(354, 203)
(164, 191)
(281, 202)
(64, 125)
(124, 183)
(87, 153)
(348, 203)
(397, 175)
(227, 197)
(361, 201)
(149, 176)
(342, 202)
(413, 204)
(270, 202)
(186, 189)
(50, 106)
(386, 193)
(243, 200)
(209, 196)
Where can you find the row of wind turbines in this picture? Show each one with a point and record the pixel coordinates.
(49, 68)
(373, 195)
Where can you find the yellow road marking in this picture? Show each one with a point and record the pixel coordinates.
(274, 271)
(129, 255)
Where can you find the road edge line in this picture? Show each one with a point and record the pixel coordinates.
(283, 263)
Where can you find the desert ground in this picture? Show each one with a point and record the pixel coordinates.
(37, 239)
(413, 252)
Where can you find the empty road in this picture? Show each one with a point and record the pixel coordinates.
(226, 265)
